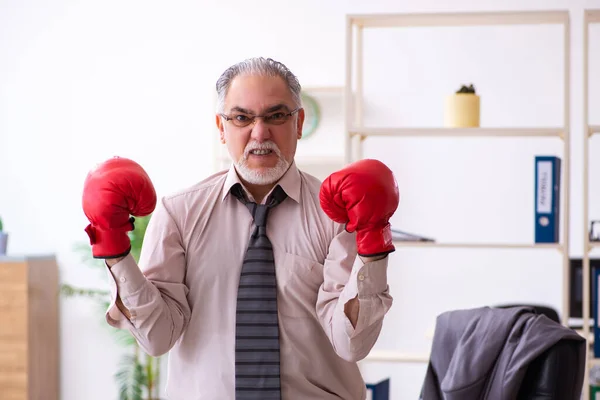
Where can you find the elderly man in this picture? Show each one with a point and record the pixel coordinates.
(250, 278)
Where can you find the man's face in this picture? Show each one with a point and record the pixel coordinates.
(262, 151)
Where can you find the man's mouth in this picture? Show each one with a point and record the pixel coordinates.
(258, 152)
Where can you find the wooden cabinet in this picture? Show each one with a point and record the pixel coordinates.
(29, 341)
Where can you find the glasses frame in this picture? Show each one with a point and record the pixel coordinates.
(254, 117)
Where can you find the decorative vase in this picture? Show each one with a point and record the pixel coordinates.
(461, 110)
(3, 243)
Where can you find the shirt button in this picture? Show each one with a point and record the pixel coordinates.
(361, 277)
(122, 279)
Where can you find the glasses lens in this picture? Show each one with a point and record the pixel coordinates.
(277, 118)
(241, 120)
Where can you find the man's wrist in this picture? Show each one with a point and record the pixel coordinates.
(112, 261)
(373, 258)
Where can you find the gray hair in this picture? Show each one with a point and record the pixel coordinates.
(259, 66)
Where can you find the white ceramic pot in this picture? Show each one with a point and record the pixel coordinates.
(3, 243)
(461, 110)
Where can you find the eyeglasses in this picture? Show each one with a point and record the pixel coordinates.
(242, 120)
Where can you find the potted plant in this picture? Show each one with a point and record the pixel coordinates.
(138, 374)
(462, 108)
(3, 239)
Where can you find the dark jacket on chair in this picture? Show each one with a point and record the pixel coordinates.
(484, 353)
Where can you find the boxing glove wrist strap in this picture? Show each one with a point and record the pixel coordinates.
(374, 242)
(110, 243)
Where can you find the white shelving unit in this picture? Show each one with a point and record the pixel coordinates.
(357, 133)
(590, 17)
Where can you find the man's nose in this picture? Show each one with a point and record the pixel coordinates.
(260, 130)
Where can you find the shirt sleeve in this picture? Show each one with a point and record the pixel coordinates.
(154, 292)
(346, 277)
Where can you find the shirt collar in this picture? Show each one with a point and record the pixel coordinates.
(290, 182)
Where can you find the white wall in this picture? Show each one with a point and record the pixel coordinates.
(82, 81)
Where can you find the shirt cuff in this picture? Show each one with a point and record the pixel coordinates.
(371, 279)
(367, 281)
(127, 277)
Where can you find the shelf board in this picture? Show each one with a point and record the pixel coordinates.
(395, 356)
(592, 16)
(450, 132)
(594, 129)
(507, 246)
(459, 19)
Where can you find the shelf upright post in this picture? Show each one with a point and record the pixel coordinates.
(348, 90)
(358, 102)
(589, 17)
(585, 312)
(566, 169)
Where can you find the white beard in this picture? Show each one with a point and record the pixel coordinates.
(256, 177)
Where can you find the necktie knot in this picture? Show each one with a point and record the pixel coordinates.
(260, 212)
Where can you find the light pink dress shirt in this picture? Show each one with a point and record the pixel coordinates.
(182, 298)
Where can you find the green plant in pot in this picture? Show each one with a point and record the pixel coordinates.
(138, 374)
(3, 239)
(466, 89)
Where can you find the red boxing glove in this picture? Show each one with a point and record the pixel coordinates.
(364, 196)
(114, 191)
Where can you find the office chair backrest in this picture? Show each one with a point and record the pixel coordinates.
(553, 374)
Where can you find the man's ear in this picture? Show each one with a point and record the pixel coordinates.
(300, 122)
(220, 127)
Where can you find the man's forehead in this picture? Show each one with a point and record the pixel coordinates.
(258, 93)
(262, 110)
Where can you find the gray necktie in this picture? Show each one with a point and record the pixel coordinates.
(257, 327)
